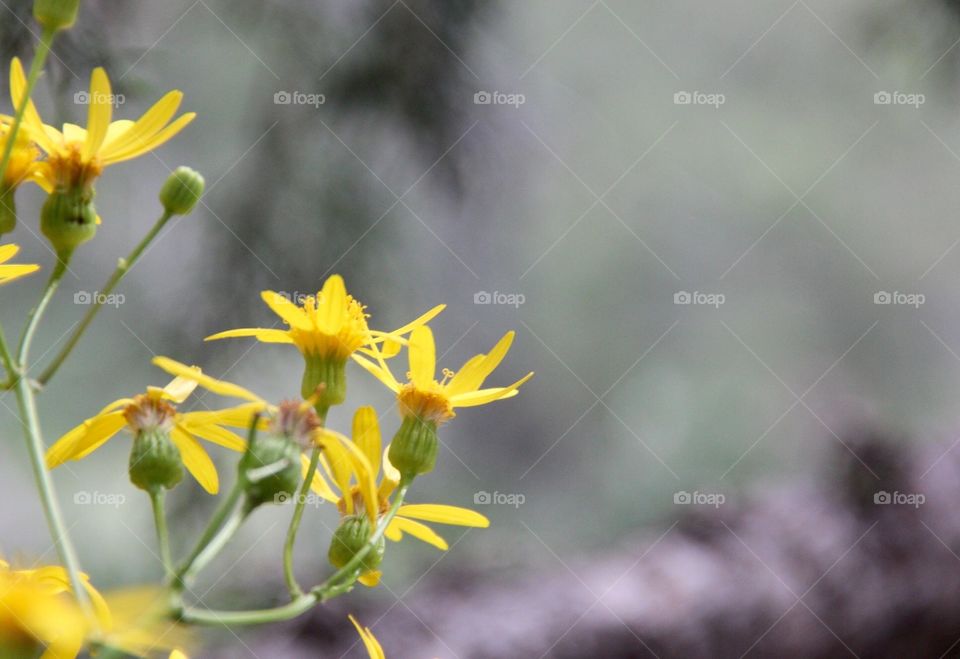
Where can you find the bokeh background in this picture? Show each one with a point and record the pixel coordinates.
(586, 199)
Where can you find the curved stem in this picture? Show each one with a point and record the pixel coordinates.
(7, 358)
(123, 267)
(333, 586)
(157, 496)
(48, 498)
(218, 542)
(292, 586)
(39, 59)
(227, 505)
(33, 319)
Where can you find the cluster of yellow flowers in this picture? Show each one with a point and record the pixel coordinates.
(286, 451)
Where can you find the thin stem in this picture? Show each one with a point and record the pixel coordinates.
(302, 603)
(219, 541)
(48, 497)
(33, 319)
(227, 505)
(299, 505)
(157, 496)
(39, 59)
(7, 357)
(123, 267)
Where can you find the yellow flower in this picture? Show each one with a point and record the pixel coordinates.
(327, 329)
(77, 156)
(155, 410)
(140, 623)
(354, 467)
(369, 640)
(431, 401)
(35, 611)
(11, 271)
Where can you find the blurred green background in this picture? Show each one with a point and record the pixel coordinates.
(598, 199)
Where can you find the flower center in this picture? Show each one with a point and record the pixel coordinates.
(297, 421)
(427, 404)
(359, 507)
(353, 334)
(149, 413)
(71, 170)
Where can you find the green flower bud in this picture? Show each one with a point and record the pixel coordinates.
(351, 536)
(181, 191)
(414, 448)
(56, 14)
(155, 461)
(328, 373)
(8, 210)
(68, 219)
(270, 468)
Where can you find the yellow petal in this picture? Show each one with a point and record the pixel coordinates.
(370, 579)
(440, 514)
(194, 373)
(240, 416)
(263, 335)
(18, 86)
(369, 640)
(421, 532)
(338, 461)
(179, 389)
(212, 433)
(8, 251)
(287, 310)
(99, 113)
(196, 460)
(332, 305)
(319, 484)
(85, 438)
(151, 143)
(484, 396)
(366, 435)
(131, 134)
(10, 272)
(423, 357)
(474, 372)
(422, 320)
(379, 371)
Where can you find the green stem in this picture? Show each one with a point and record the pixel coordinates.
(39, 59)
(48, 497)
(123, 267)
(333, 586)
(292, 586)
(219, 516)
(157, 496)
(7, 357)
(33, 319)
(218, 542)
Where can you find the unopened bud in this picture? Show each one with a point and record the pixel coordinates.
(270, 468)
(181, 191)
(56, 14)
(349, 539)
(414, 448)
